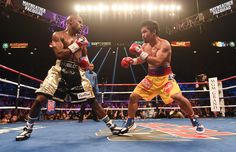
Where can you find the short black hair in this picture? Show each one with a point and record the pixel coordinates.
(153, 26)
(77, 16)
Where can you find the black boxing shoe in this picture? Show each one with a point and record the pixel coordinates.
(27, 130)
(115, 129)
(96, 119)
(81, 118)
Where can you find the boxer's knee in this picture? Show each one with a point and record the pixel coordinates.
(98, 109)
(94, 104)
(36, 107)
(134, 98)
(178, 97)
(40, 99)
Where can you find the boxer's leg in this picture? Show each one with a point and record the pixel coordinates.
(132, 108)
(33, 116)
(102, 115)
(82, 111)
(144, 90)
(47, 89)
(186, 106)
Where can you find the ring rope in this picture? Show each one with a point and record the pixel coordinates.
(151, 108)
(184, 91)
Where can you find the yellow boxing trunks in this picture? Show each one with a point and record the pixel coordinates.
(158, 82)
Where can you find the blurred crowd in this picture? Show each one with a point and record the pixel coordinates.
(116, 105)
(115, 110)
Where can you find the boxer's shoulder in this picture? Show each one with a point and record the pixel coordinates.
(59, 34)
(145, 46)
(164, 42)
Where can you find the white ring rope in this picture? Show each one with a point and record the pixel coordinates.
(15, 83)
(128, 92)
(227, 88)
(13, 96)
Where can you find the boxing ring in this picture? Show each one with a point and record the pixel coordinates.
(159, 134)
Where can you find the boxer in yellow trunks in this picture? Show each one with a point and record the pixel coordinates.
(67, 76)
(160, 79)
(164, 86)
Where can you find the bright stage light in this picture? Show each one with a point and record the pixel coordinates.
(127, 7)
(118, 7)
(178, 7)
(89, 8)
(142, 7)
(172, 7)
(77, 8)
(114, 7)
(167, 8)
(150, 7)
(101, 7)
(161, 7)
(137, 7)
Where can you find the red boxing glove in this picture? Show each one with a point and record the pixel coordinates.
(84, 62)
(137, 50)
(126, 61)
(81, 41)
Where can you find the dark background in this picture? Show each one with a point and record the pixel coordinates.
(122, 28)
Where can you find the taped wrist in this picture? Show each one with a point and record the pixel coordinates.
(73, 47)
(135, 61)
(144, 56)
